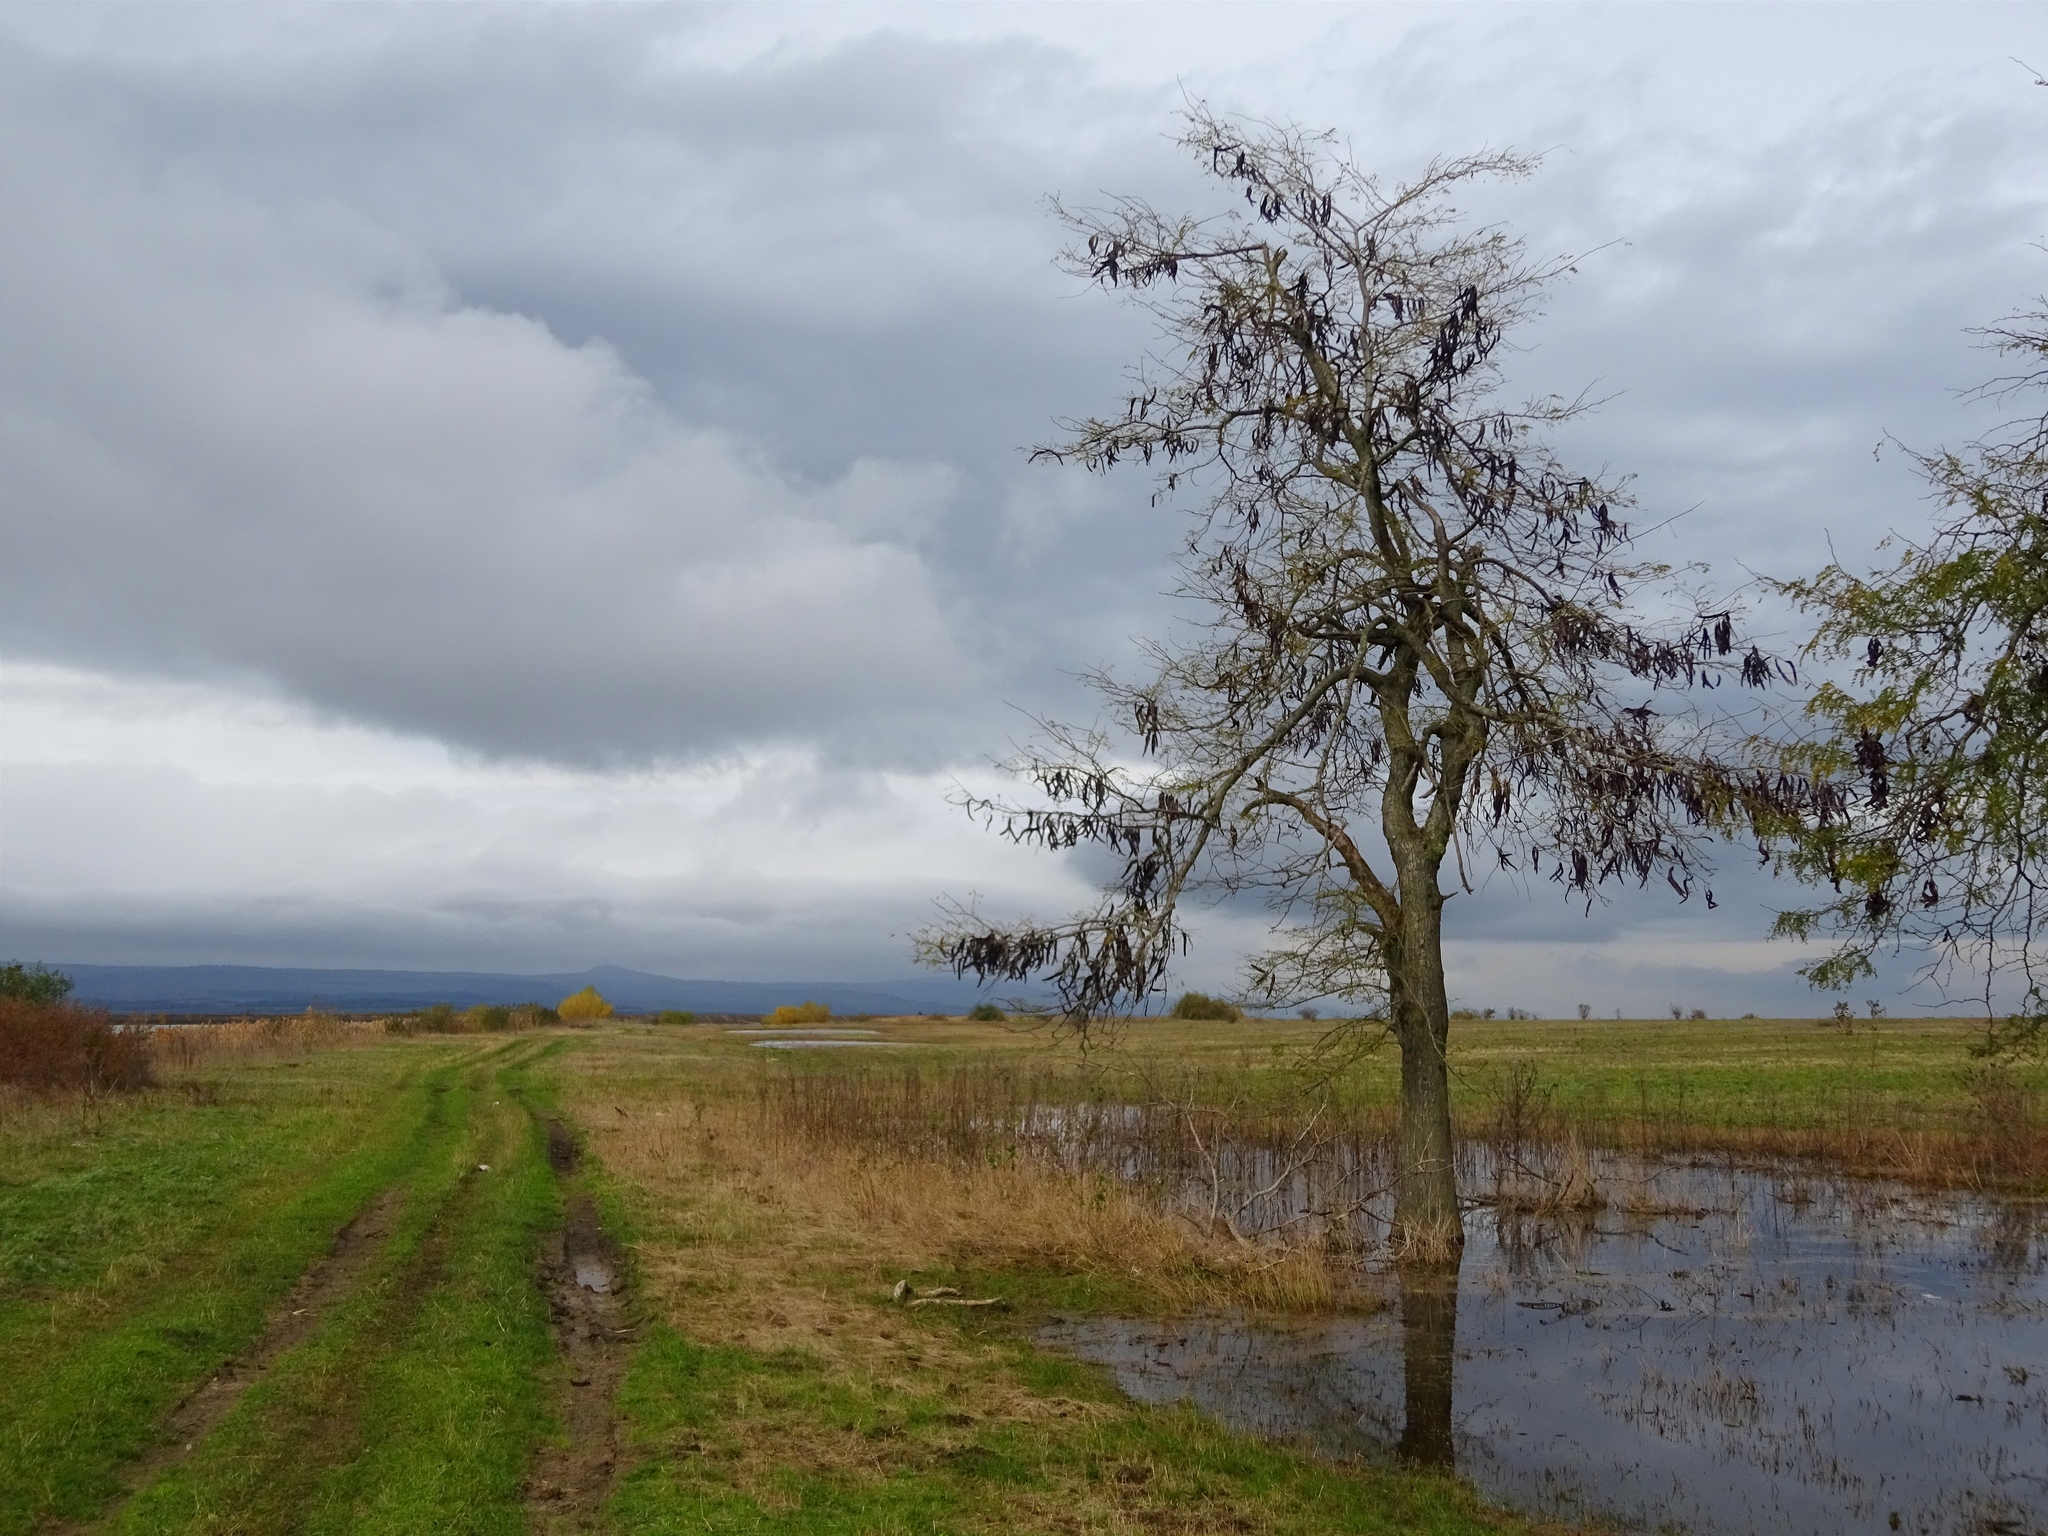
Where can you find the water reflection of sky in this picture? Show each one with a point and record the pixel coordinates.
(1746, 1353)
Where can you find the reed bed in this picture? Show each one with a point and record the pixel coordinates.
(1990, 1138)
(1282, 1169)
(820, 1170)
(1275, 1166)
(57, 1048)
(191, 1047)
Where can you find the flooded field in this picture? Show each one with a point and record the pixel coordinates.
(810, 1038)
(1707, 1348)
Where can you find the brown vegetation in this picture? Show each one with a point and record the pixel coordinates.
(889, 1176)
(48, 1048)
(184, 1047)
(2000, 1144)
(1289, 1172)
(483, 1019)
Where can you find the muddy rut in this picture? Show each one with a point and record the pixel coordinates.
(582, 1273)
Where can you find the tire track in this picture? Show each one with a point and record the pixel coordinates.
(581, 1270)
(355, 1251)
(358, 1252)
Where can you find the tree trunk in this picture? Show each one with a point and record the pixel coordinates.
(1426, 1223)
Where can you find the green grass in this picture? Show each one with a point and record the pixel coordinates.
(416, 1404)
(145, 1243)
(1727, 1074)
(1733, 1075)
(145, 1246)
(930, 1469)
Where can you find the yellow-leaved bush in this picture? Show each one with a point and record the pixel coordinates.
(587, 1004)
(800, 1013)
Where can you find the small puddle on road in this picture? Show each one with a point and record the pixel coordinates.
(1785, 1354)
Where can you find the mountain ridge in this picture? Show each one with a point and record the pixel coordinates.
(293, 989)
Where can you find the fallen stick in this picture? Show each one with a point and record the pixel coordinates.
(905, 1290)
(956, 1301)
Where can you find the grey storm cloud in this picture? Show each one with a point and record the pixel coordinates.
(626, 386)
(261, 432)
(520, 379)
(273, 442)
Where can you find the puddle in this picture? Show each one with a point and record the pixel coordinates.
(808, 1031)
(822, 1044)
(1748, 1352)
(572, 1474)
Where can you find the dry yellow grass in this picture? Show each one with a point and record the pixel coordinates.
(760, 1242)
(751, 1240)
(796, 1209)
(753, 1237)
(753, 1251)
(187, 1046)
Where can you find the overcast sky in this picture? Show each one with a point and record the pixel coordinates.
(526, 487)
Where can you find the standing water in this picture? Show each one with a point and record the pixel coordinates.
(1730, 1352)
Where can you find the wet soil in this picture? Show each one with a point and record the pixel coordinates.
(583, 1276)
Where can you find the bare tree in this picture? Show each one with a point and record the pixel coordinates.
(1424, 636)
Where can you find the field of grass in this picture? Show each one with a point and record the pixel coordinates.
(1895, 1097)
(304, 1284)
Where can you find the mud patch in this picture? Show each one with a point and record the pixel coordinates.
(582, 1273)
(563, 1151)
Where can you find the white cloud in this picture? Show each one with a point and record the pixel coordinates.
(139, 817)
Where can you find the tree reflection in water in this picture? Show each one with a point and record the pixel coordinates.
(1730, 1350)
(1429, 1353)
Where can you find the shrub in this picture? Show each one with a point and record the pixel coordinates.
(800, 1013)
(52, 1047)
(438, 1019)
(534, 1016)
(675, 1016)
(587, 1004)
(1199, 1005)
(986, 1013)
(488, 1017)
(33, 983)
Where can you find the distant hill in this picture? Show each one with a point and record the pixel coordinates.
(274, 989)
